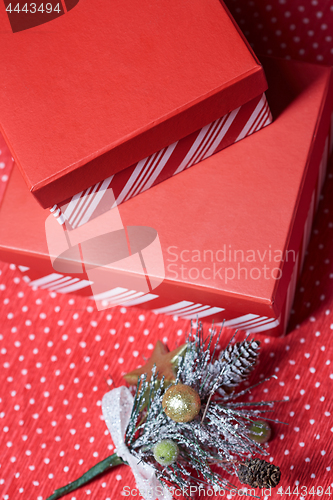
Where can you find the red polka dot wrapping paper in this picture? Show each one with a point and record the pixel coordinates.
(296, 29)
(58, 355)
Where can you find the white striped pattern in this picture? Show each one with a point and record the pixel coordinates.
(76, 286)
(59, 283)
(83, 204)
(252, 323)
(120, 295)
(81, 208)
(145, 173)
(207, 141)
(109, 294)
(260, 113)
(23, 268)
(141, 300)
(123, 296)
(85, 217)
(235, 322)
(46, 279)
(266, 325)
(188, 310)
(218, 138)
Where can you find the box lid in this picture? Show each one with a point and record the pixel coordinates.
(107, 84)
(252, 198)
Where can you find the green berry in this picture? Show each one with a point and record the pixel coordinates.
(166, 452)
(260, 432)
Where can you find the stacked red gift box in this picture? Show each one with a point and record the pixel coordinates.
(231, 215)
(95, 117)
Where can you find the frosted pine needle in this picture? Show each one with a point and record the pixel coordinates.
(219, 435)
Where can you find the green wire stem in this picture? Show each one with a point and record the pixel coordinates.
(95, 471)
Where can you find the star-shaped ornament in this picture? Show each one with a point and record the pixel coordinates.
(166, 363)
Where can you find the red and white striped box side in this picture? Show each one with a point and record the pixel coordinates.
(187, 308)
(163, 164)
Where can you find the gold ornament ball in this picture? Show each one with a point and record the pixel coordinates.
(181, 403)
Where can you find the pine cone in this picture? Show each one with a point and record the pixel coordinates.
(241, 358)
(259, 474)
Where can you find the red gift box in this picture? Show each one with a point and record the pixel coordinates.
(87, 93)
(233, 235)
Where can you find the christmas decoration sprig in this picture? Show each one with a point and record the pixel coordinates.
(175, 433)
